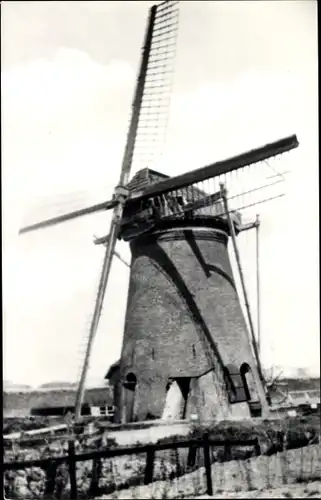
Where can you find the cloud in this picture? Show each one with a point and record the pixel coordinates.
(69, 134)
(56, 111)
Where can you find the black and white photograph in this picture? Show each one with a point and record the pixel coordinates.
(160, 249)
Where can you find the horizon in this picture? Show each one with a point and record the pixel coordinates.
(291, 373)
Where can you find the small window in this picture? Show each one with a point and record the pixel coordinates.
(234, 384)
(130, 381)
(153, 353)
(203, 396)
(249, 383)
(193, 351)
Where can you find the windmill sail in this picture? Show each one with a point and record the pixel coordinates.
(147, 127)
(156, 197)
(154, 109)
(151, 52)
(145, 137)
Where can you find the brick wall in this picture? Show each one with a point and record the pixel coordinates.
(183, 315)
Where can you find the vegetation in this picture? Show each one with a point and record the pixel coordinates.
(122, 477)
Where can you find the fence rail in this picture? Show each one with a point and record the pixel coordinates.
(49, 465)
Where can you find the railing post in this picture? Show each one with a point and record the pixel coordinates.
(191, 457)
(227, 451)
(257, 447)
(72, 470)
(178, 464)
(51, 477)
(96, 473)
(207, 463)
(149, 470)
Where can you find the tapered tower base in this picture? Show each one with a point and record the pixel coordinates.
(186, 349)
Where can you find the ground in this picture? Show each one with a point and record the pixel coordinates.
(310, 490)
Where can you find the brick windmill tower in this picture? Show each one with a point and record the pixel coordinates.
(188, 348)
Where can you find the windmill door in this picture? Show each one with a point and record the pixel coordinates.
(176, 399)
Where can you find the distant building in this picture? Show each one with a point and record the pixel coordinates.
(54, 401)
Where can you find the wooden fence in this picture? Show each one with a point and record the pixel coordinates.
(50, 464)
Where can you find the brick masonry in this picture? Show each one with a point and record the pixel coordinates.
(183, 319)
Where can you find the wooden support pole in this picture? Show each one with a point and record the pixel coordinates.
(191, 458)
(51, 471)
(257, 447)
(207, 464)
(72, 470)
(227, 451)
(96, 472)
(121, 195)
(238, 261)
(246, 227)
(258, 291)
(149, 470)
(95, 476)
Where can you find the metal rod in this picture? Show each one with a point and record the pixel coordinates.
(118, 210)
(258, 309)
(238, 261)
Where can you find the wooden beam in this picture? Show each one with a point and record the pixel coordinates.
(247, 227)
(218, 168)
(145, 215)
(258, 287)
(106, 205)
(207, 201)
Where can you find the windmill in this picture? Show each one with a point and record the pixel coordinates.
(187, 348)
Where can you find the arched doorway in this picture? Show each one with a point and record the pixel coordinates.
(177, 391)
(250, 387)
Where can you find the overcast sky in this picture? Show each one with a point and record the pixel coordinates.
(246, 74)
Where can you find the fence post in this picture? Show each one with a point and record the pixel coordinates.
(207, 463)
(72, 470)
(191, 457)
(51, 477)
(227, 451)
(177, 463)
(149, 470)
(96, 473)
(257, 447)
